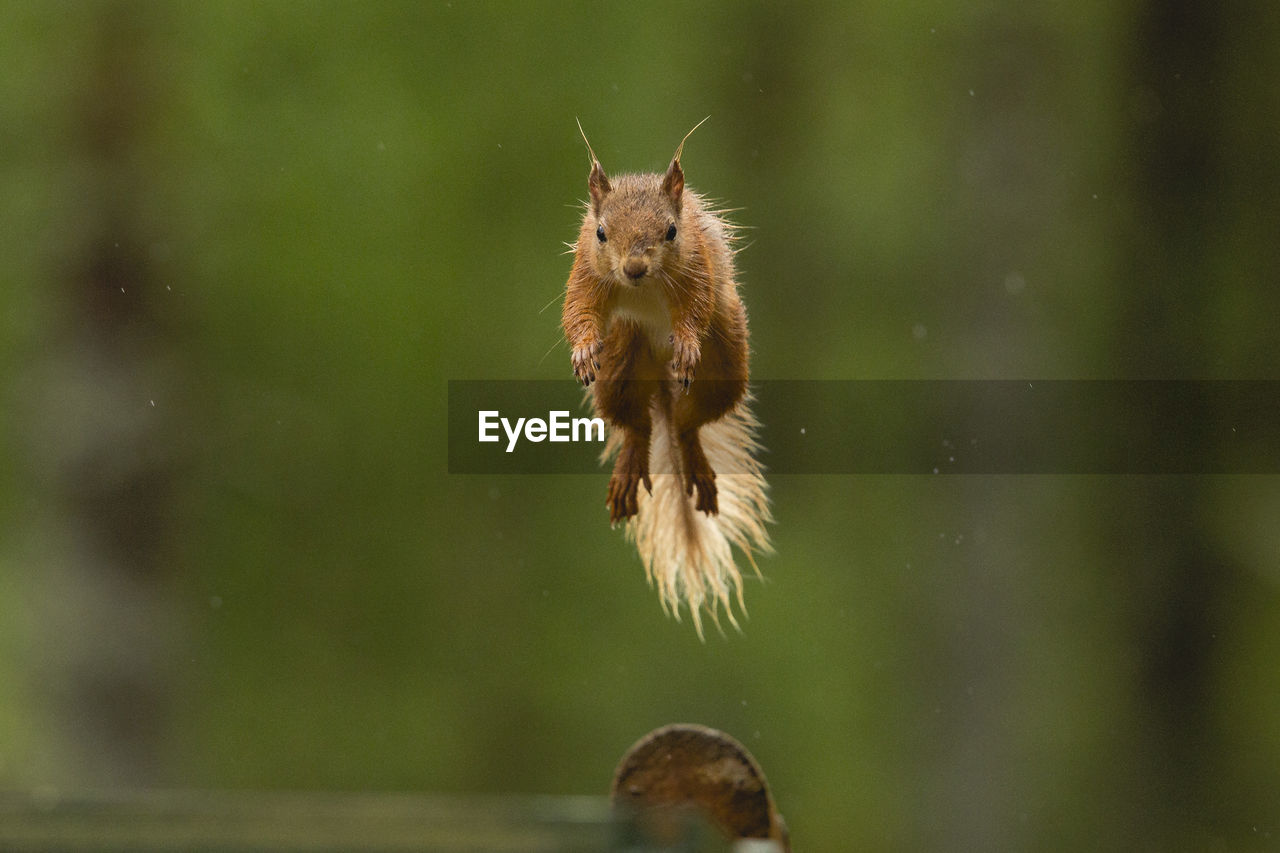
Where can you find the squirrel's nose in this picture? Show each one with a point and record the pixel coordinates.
(635, 267)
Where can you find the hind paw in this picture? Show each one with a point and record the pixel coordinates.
(704, 482)
(623, 499)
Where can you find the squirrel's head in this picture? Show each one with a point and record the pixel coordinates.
(633, 223)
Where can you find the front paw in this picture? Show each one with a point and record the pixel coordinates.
(685, 355)
(585, 364)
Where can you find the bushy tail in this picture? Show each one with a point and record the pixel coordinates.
(687, 554)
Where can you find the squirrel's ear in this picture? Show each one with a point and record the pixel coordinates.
(673, 183)
(598, 184)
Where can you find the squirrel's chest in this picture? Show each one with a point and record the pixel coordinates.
(647, 307)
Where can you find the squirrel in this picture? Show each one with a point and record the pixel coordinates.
(653, 318)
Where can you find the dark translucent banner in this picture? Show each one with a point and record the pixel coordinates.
(912, 427)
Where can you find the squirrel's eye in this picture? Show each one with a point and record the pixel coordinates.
(671, 231)
(600, 234)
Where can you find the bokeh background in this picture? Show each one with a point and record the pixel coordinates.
(245, 246)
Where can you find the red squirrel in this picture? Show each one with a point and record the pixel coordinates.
(659, 334)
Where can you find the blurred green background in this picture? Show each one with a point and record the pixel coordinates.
(246, 244)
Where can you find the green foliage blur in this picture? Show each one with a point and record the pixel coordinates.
(246, 244)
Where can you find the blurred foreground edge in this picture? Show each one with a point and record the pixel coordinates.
(198, 821)
(681, 773)
(680, 789)
(299, 822)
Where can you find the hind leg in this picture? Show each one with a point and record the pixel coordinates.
(698, 473)
(707, 400)
(629, 471)
(623, 396)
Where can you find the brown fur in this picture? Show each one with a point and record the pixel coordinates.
(657, 329)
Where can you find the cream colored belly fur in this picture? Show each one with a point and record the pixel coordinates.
(646, 305)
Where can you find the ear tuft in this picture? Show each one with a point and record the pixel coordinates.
(597, 181)
(680, 147)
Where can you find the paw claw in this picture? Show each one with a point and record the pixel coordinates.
(624, 488)
(585, 363)
(707, 501)
(704, 483)
(685, 357)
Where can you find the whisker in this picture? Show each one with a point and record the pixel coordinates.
(558, 342)
(552, 302)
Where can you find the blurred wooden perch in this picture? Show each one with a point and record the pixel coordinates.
(682, 770)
